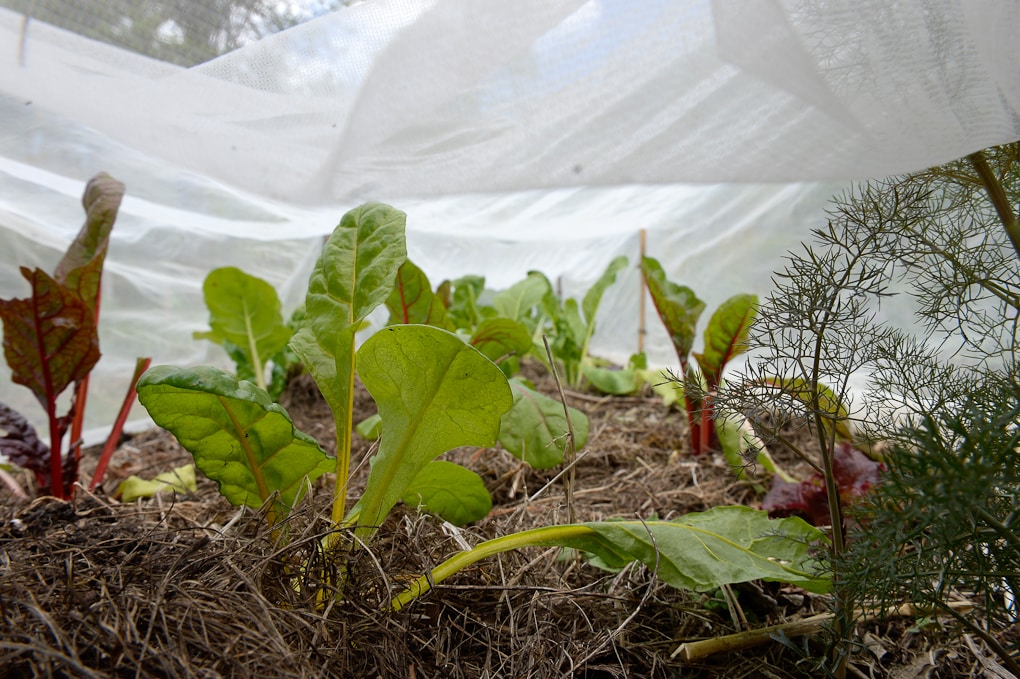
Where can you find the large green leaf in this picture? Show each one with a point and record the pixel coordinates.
(678, 307)
(354, 275)
(726, 336)
(244, 313)
(517, 301)
(449, 491)
(535, 429)
(725, 545)
(239, 438)
(698, 551)
(434, 393)
(413, 302)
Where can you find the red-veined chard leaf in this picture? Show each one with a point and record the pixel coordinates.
(50, 338)
(535, 429)
(726, 336)
(244, 314)
(434, 393)
(699, 551)
(413, 302)
(500, 337)
(238, 436)
(449, 491)
(22, 446)
(677, 305)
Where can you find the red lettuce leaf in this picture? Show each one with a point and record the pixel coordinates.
(855, 474)
(20, 443)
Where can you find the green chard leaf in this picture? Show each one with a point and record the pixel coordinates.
(238, 436)
(354, 275)
(535, 429)
(463, 305)
(725, 545)
(499, 337)
(434, 393)
(517, 301)
(698, 551)
(449, 491)
(245, 315)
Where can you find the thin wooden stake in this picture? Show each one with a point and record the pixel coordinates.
(642, 331)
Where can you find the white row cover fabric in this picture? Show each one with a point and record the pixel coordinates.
(537, 134)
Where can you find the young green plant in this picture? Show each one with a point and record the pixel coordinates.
(434, 392)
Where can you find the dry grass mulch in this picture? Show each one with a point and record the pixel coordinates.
(192, 587)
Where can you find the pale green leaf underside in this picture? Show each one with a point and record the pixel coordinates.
(434, 393)
(449, 491)
(535, 429)
(239, 438)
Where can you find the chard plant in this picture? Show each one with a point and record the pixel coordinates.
(245, 318)
(434, 391)
(573, 324)
(51, 343)
(725, 337)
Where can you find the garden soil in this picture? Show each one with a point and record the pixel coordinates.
(190, 586)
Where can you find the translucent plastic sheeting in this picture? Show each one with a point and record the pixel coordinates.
(538, 134)
(719, 239)
(394, 98)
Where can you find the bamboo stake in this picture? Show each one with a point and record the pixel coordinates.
(642, 331)
(696, 650)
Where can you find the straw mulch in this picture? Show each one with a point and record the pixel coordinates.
(193, 587)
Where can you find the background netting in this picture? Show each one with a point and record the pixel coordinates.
(537, 134)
